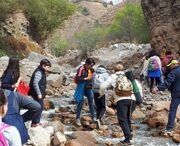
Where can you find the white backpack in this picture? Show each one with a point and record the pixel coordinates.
(98, 79)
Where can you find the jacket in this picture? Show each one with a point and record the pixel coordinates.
(172, 82)
(111, 81)
(38, 83)
(7, 81)
(103, 75)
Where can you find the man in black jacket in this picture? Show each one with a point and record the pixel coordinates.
(172, 82)
(38, 86)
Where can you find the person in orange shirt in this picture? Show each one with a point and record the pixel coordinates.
(83, 79)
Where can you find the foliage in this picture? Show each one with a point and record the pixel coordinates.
(130, 23)
(59, 46)
(7, 7)
(88, 40)
(46, 15)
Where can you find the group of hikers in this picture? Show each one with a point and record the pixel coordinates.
(13, 131)
(92, 83)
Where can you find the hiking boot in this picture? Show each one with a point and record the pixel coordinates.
(98, 124)
(94, 119)
(126, 142)
(78, 122)
(167, 133)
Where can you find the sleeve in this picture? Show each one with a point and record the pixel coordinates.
(105, 85)
(6, 82)
(37, 78)
(167, 82)
(13, 137)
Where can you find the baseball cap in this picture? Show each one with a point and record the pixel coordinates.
(172, 62)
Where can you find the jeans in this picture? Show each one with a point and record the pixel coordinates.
(20, 101)
(89, 94)
(125, 108)
(100, 105)
(172, 113)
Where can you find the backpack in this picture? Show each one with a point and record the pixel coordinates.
(98, 79)
(123, 86)
(14, 118)
(153, 64)
(3, 141)
(23, 88)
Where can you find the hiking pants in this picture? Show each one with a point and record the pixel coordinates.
(100, 105)
(89, 94)
(157, 82)
(37, 118)
(172, 113)
(124, 109)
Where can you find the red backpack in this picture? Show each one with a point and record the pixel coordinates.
(3, 141)
(23, 88)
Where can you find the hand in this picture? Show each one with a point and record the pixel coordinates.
(15, 85)
(39, 96)
(155, 90)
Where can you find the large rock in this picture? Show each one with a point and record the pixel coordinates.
(163, 18)
(39, 136)
(82, 138)
(158, 119)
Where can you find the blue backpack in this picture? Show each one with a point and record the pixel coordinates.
(14, 118)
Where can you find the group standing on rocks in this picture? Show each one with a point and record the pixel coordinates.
(92, 83)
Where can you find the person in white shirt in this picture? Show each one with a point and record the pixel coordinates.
(124, 104)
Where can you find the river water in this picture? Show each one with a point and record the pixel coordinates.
(143, 135)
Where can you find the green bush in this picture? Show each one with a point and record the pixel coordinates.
(59, 47)
(46, 15)
(7, 7)
(130, 23)
(88, 40)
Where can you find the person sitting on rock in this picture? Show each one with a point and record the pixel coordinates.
(83, 79)
(38, 87)
(172, 82)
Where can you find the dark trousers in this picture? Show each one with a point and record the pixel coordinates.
(172, 113)
(37, 119)
(124, 109)
(100, 105)
(157, 81)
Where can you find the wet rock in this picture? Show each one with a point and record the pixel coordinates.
(48, 104)
(158, 119)
(110, 111)
(176, 136)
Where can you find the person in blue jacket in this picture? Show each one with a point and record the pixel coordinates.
(11, 75)
(173, 84)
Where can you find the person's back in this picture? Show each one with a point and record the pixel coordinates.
(9, 135)
(99, 77)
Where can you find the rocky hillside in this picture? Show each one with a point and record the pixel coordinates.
(163, 17)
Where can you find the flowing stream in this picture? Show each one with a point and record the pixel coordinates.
(143, 136)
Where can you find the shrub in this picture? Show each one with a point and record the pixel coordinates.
(46, 15)
(88, 40)
(130, 23)
(59, 47)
